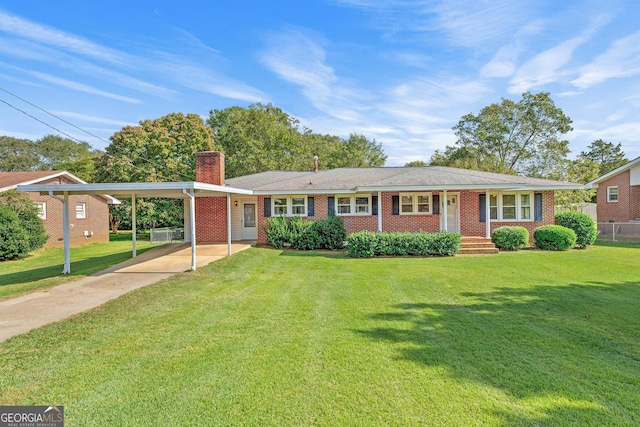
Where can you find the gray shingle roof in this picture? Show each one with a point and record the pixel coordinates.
(386, 179)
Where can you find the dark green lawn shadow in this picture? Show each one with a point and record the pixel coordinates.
(580, 342)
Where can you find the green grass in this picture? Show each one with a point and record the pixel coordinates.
(43, 268)
(268, 337)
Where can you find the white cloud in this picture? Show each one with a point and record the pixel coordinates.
(622, 59)
(89, 118)
(504, 62)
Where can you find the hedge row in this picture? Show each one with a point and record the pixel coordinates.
(367, 244)
(304, 234)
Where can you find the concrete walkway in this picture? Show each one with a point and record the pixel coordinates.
(24, 313)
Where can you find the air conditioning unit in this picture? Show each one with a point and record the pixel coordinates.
(87, 233)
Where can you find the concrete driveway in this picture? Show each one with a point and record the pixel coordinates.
(24, 313)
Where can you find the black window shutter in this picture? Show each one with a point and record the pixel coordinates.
(311, 209)
(374, 205)
(483, 208)
(537, 207)
(331, 204)
(267, 207)
(436, 204)
(395, 205)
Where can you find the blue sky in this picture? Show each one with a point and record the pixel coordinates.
(402, 72)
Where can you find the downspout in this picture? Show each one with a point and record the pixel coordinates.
(66, 269)
(192, 214)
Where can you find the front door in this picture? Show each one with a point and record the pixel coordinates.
(249, 222)
(452, 213)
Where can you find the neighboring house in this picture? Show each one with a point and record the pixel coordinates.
(88, 214)
(432, 198)
(619, 193)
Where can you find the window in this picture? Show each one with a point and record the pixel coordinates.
(493, 206)
(279, 206)
(511, 207)
(289, 206)
(81, 210)
(508, 206)
(525, 206)
(612, 194)
(42, 209)
(353, 205)
(344, 205)
(415, 203)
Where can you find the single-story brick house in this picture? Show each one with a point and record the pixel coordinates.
(618, 193)
(89, 214)
(432, 198)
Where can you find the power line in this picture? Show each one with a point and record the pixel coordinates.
(122, 161)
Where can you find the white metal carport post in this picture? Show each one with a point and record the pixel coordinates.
(134, 230)
(192, 215)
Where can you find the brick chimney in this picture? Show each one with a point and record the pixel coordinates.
(210, 167)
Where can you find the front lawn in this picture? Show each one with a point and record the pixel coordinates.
(283, 338)
(43, 268)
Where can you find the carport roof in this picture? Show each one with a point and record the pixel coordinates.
(173, 190)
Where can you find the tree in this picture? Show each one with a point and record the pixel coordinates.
(415, 163)
(21, 230)
(84, 169)
(514, 137)
(157, 150)
(54, 150)
(17, 154)
(606, 155)
(263, 138)
(579, 171)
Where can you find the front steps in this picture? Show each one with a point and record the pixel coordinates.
(477, 245)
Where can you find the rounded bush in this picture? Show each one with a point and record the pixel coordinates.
(582, 224)
(554, 237)
(510, 238)
(14, 238)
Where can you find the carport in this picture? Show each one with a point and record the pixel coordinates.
(133, 190)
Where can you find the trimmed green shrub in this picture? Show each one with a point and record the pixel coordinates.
(554, 237)
(367, 244)
(304, 234)
(14, 238)
(582, 224)
(510, 238)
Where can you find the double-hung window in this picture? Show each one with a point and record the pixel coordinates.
(612, 194)
(42, 209)
(359, 204)
(289, 206)
(415, 203)
(511, 207)
(81, 210)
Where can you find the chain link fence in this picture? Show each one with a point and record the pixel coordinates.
(167, 235)
(624, 232)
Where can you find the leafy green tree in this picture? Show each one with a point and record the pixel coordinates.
(579, 171)
(54, 150)
(263, 138)
(606, 155)
(157, 150)
(84, 169)
(415, 163)
(18, 154)
(512, 137)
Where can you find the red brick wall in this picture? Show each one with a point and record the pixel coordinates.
(97, 220)
(619, 211)
(634, 204)
(210, 167)
(211, 219)
(410, 223)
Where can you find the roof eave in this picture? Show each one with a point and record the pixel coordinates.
(632, 163)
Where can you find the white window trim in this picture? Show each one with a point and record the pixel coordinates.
(414, 202)
(518, 196)
(609, 194)
(289, 200)
(44, 209)
(84, 210)
(352, 205)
